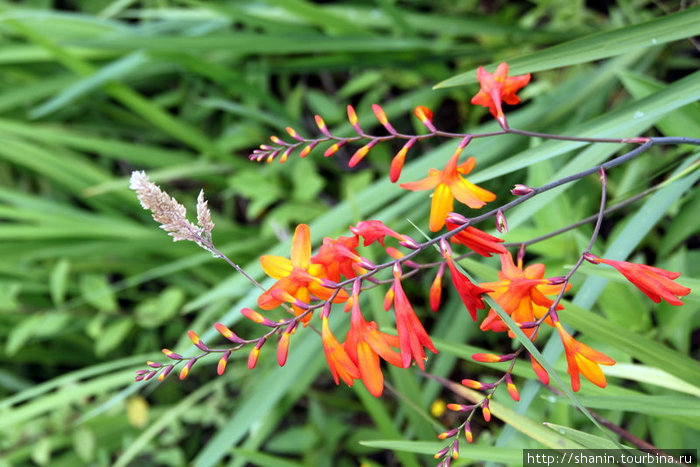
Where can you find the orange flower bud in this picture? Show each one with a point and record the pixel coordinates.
(221, 367)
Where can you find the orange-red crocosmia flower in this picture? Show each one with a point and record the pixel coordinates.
(656, 283)
(340, 364)
(412, 335)
(498, 88)
(582, 359)
(365, 344)
(297, 277)
(477, 240)
(469, 292)
(449, 184)
(521, 294)
(374, 230)
(339, 257)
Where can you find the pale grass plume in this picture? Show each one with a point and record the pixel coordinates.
(171, 215)
(203, 215)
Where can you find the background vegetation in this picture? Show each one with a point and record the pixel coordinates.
(90, 288)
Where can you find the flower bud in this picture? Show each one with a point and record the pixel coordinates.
(170, 354)
(409, 243)
(197, 341)
(556, 280)
(186, 369)
(163, 374)
(448, 434)
(501, 222)
(486, 410)
(520, 190)
(470, 383)
(227, 333)
(512, 390)
(492, 358)
(468, 432)
(457, 219)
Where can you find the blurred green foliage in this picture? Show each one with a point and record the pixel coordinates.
(90, 288)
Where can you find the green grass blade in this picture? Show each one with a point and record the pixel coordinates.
(117, 70)
(599, 45)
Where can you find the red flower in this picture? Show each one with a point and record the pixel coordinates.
(412, 335)
(299, 279)
(449, 184)
(521, 294)
(469, 292)
(582, 359)
(656, 283)
(365, 344)
(498, 88)
(482, 243)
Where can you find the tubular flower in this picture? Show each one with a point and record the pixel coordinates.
(498, 88)
(521, 294)
(582, 359)
(477, 240)
(449, 184)
(412, 335)
(340, 364)
(339, 257)
(656, 283)
(469, 292)
(298, 278)
(365, 344)
(374, 230)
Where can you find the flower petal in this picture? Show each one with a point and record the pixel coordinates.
(440, 206)
(276, 267)
(427, 183)
(301, 247)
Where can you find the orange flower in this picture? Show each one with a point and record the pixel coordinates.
(340, 364)
(339, 257)
(364, 345)
(412, 335)
(656, 283)
(448, 185)
(521, 294)
(479, 241)
(582, 359)
(298, 278)
(498, 88)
